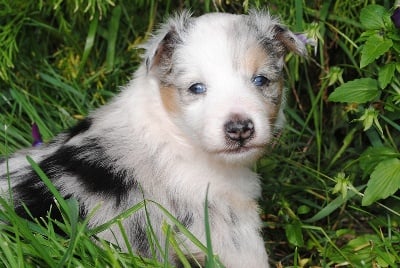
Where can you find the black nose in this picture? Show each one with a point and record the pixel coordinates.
(239, 130)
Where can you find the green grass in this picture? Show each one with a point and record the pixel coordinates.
(61, 59)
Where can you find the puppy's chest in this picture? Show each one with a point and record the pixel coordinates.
(233, 210)
(233, 221)
(183, 184)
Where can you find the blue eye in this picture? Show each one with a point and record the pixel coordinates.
(260, 81)
(198, 88)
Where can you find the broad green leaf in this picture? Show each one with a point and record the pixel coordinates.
(371, 157)
(386, 74)
(358, 91)
(374, 47)
(371, 17)
(357, 251)
(384, 181)
(294, 234)
(385, 259)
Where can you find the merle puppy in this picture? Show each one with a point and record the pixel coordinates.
(199, 111)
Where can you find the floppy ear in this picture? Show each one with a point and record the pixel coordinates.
(162, 54)
(160, 48)
(289, 40)
(272, 32)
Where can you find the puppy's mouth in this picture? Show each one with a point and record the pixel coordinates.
(241, 149)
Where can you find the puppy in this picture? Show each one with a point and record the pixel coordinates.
(198, 113)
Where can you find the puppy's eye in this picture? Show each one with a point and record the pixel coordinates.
(260, 81)
(198, 88)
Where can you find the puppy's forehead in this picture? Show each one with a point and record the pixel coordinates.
(222, 31)
(229, 41)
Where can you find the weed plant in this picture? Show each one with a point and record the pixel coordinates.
(330, 181)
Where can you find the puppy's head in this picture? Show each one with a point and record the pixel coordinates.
(220, 78)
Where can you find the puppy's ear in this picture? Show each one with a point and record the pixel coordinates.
(289, 40)
(161, 47)
(161, 56)
(273, 33)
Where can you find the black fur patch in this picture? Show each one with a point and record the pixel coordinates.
(139, 235)
(37, 198)
(79, 128)
(91, 165)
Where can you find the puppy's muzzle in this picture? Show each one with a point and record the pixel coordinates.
(239, 130)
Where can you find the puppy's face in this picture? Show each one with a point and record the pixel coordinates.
(221, 81)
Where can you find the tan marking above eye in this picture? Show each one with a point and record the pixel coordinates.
(254, 58)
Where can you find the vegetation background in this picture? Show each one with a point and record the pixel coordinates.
(330, 182)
